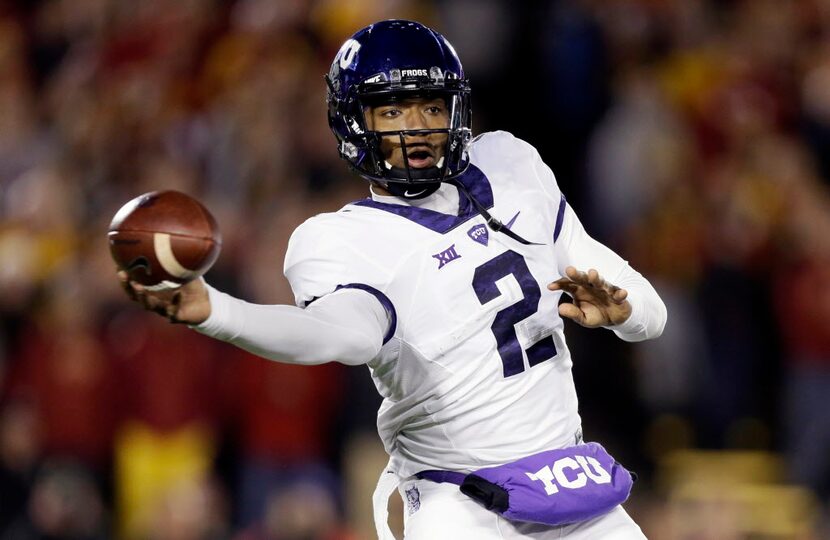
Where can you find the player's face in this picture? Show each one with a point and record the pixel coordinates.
(407, 114)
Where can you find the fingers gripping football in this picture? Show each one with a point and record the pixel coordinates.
(187, 304)
(595, 301)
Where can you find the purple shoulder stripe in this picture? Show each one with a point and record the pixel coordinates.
(385, 302)
(560, 216)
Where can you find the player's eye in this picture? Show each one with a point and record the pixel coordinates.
(390, 113)
(434, 109)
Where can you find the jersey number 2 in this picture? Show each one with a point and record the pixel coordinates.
(504, 327)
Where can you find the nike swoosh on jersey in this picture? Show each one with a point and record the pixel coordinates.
(408, 194)
(512, 220)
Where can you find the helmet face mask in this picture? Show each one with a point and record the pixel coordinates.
(395, 61)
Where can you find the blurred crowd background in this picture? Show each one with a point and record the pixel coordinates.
(692, 136)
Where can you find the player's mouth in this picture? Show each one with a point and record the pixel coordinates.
(420, 157)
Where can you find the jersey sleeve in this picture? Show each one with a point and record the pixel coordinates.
(314, 264)
(322, 257)
(353, 323)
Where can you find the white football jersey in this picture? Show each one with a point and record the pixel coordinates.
(474, 370)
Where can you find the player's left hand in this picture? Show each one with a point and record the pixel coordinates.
(595, 301)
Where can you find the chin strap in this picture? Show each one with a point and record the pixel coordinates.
(493, 223)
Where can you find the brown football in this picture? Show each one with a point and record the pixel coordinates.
(164, 239)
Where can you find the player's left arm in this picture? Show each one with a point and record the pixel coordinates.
(605, 290)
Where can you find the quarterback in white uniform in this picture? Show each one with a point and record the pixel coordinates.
(446, 282)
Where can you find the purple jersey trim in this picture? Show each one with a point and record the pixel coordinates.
(560, 216)
(451, 477)
(473, 179)
(384, 300)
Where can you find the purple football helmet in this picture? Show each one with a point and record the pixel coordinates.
(397, 59)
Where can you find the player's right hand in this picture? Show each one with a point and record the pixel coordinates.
(188, 304)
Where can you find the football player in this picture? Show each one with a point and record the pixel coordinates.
(446, 283)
